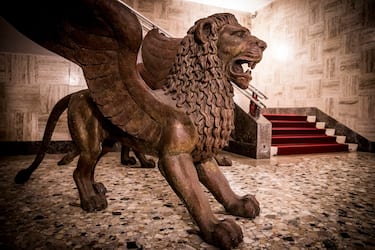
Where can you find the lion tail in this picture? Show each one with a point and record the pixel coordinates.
(24, 175)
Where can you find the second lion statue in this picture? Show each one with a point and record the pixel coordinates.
(186, 123)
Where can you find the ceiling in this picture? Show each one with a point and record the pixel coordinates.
(242, 5)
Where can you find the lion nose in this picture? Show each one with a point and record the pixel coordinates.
(261, 44)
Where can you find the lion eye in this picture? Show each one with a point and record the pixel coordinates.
(240, 33)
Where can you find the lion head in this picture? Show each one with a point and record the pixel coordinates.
(216, 51)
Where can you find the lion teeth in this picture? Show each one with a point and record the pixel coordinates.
(245, 67)
(253, 65)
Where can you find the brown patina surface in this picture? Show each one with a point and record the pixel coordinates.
(186, 123)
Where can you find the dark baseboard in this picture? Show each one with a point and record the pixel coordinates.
(32, 147)
(241, 148)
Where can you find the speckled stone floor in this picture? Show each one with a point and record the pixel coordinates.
(324, 201)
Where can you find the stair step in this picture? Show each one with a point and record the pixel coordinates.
(340, 139)
(302, 134)
(352, 146)
(320, 125)
(283, 123)
(311, 118)
(330, 131)
(287, 139)
(273, 150)
(297, 131)
(287, 117)
(286, 149)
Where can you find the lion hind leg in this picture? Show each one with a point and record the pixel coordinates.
(89, 137)
(145, 163)
(92, 194)
(211, 176)
(126, 159)
(69, 157)
(128, 143)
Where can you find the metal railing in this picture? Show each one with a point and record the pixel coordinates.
(146, 23)
(254, 95)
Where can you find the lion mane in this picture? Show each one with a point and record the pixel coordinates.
(197, 82)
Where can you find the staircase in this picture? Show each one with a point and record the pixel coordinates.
(299, 134)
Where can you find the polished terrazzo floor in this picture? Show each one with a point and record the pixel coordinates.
(323, 201)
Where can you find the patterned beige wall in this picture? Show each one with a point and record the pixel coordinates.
(31, 83)
(321, 53)
(177, 16)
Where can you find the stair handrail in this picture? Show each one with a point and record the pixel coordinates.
(251, 92)
(248, 93)
(145, 22)
(258, 92)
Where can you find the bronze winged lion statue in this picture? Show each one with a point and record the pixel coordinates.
(186, 123)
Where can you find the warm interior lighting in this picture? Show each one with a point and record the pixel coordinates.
(242, 5)
(281, 51)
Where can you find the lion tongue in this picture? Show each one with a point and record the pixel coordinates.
(237, 68)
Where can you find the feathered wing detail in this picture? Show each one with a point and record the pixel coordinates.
(103, 37)
(156, 65)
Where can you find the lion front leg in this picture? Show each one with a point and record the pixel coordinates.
(211, 176)
(181, 174)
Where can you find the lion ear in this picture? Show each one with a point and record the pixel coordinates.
(203, 31)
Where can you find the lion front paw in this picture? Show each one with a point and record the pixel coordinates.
(94, 203)
(223, 161)
(247, 206)
(226, 234)
(99, 188)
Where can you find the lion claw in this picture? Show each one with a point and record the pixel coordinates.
(100, 188)
(226, 234)
(247, 206)
(94, 203)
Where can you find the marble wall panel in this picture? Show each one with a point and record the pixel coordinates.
(349, 85)
(26, 72)
(30, 85)
(24, 98)
(333, 42)
(177, 16)
(314, 89)
(61, 131)
(31, 129)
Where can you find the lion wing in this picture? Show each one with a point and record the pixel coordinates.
(103, 37)
(156, 65)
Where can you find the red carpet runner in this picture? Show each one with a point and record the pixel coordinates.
(292, 134)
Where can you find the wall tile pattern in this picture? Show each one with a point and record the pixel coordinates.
(177, 16)
(321, 53)
(30, 85)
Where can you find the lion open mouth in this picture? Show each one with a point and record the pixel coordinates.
(240, 71)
